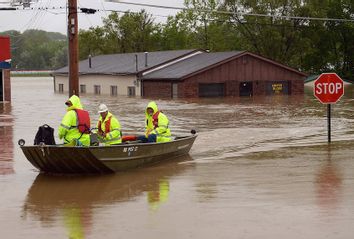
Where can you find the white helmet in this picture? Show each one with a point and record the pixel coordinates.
(102, 108)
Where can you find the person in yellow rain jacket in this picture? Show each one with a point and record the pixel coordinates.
(108, 126)
(75, 125)
(157, 125)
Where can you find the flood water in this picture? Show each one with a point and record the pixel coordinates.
(260, 168)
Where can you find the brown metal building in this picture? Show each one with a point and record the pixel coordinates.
(222, 74)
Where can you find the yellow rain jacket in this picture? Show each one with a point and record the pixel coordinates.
(113, 134)
(162, 131)
(67, 129)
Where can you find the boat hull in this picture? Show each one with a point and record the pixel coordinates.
(104, 159)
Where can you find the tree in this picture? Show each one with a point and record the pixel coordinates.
(200, 17)
(314, 46)
(37, 50)
(93, 42)
(199, 26)
(266, 30)
(175, 33)
(132, 32)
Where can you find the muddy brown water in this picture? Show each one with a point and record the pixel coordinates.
(260, 168)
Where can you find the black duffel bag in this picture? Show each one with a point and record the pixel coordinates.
(45, 135)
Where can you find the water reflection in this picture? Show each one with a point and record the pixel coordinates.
(158, 195)
(6, 142)
(207, 191)
(329, 183)
(75, 200)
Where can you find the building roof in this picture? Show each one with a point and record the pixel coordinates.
(201, 62)
(311, 78)
(191, 65)
(124, 63)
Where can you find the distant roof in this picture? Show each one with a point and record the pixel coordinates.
(191, 65)
(311, 78)
(314, 77)
(124, 63)
(201, 62)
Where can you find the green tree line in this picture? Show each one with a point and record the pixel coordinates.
(265, 27)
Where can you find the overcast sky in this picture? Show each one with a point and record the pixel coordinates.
(54, 20)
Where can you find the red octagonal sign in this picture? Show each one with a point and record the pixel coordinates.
(329, 88)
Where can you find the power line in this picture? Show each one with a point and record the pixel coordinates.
(239, 14)
(8, 8)
(235, 13)
(149, 5)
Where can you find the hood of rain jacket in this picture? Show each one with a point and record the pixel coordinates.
(153, 106)
(75, 100)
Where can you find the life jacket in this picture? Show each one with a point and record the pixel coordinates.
(107, 126)
(83, 121)
(155, 119)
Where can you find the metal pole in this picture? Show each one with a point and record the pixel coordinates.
(329, 122)
(73, 48)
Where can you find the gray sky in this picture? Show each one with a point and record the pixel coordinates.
(54, 20)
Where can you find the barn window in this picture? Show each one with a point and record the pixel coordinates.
(61, 88)
(211, 90)
(83, 89)
(174, 90)
(114, 90)
(131, 91)
(97, 89)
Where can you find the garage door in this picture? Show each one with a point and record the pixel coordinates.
(211, 90)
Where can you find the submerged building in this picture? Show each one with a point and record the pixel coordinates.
(186, 73)
(116, 74)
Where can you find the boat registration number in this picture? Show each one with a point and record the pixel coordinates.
(131, 149)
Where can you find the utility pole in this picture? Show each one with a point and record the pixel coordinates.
(73, 48)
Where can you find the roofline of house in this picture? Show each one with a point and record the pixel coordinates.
(162, 79)
(131, 73)
(242, 53)
(314, 77)
(169, 61)
(97, 73)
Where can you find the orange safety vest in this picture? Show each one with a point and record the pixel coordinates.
(107, 126)
(83, 121)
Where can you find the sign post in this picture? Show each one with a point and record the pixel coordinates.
(329, 88)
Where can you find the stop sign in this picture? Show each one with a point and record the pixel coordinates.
(329, 88)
